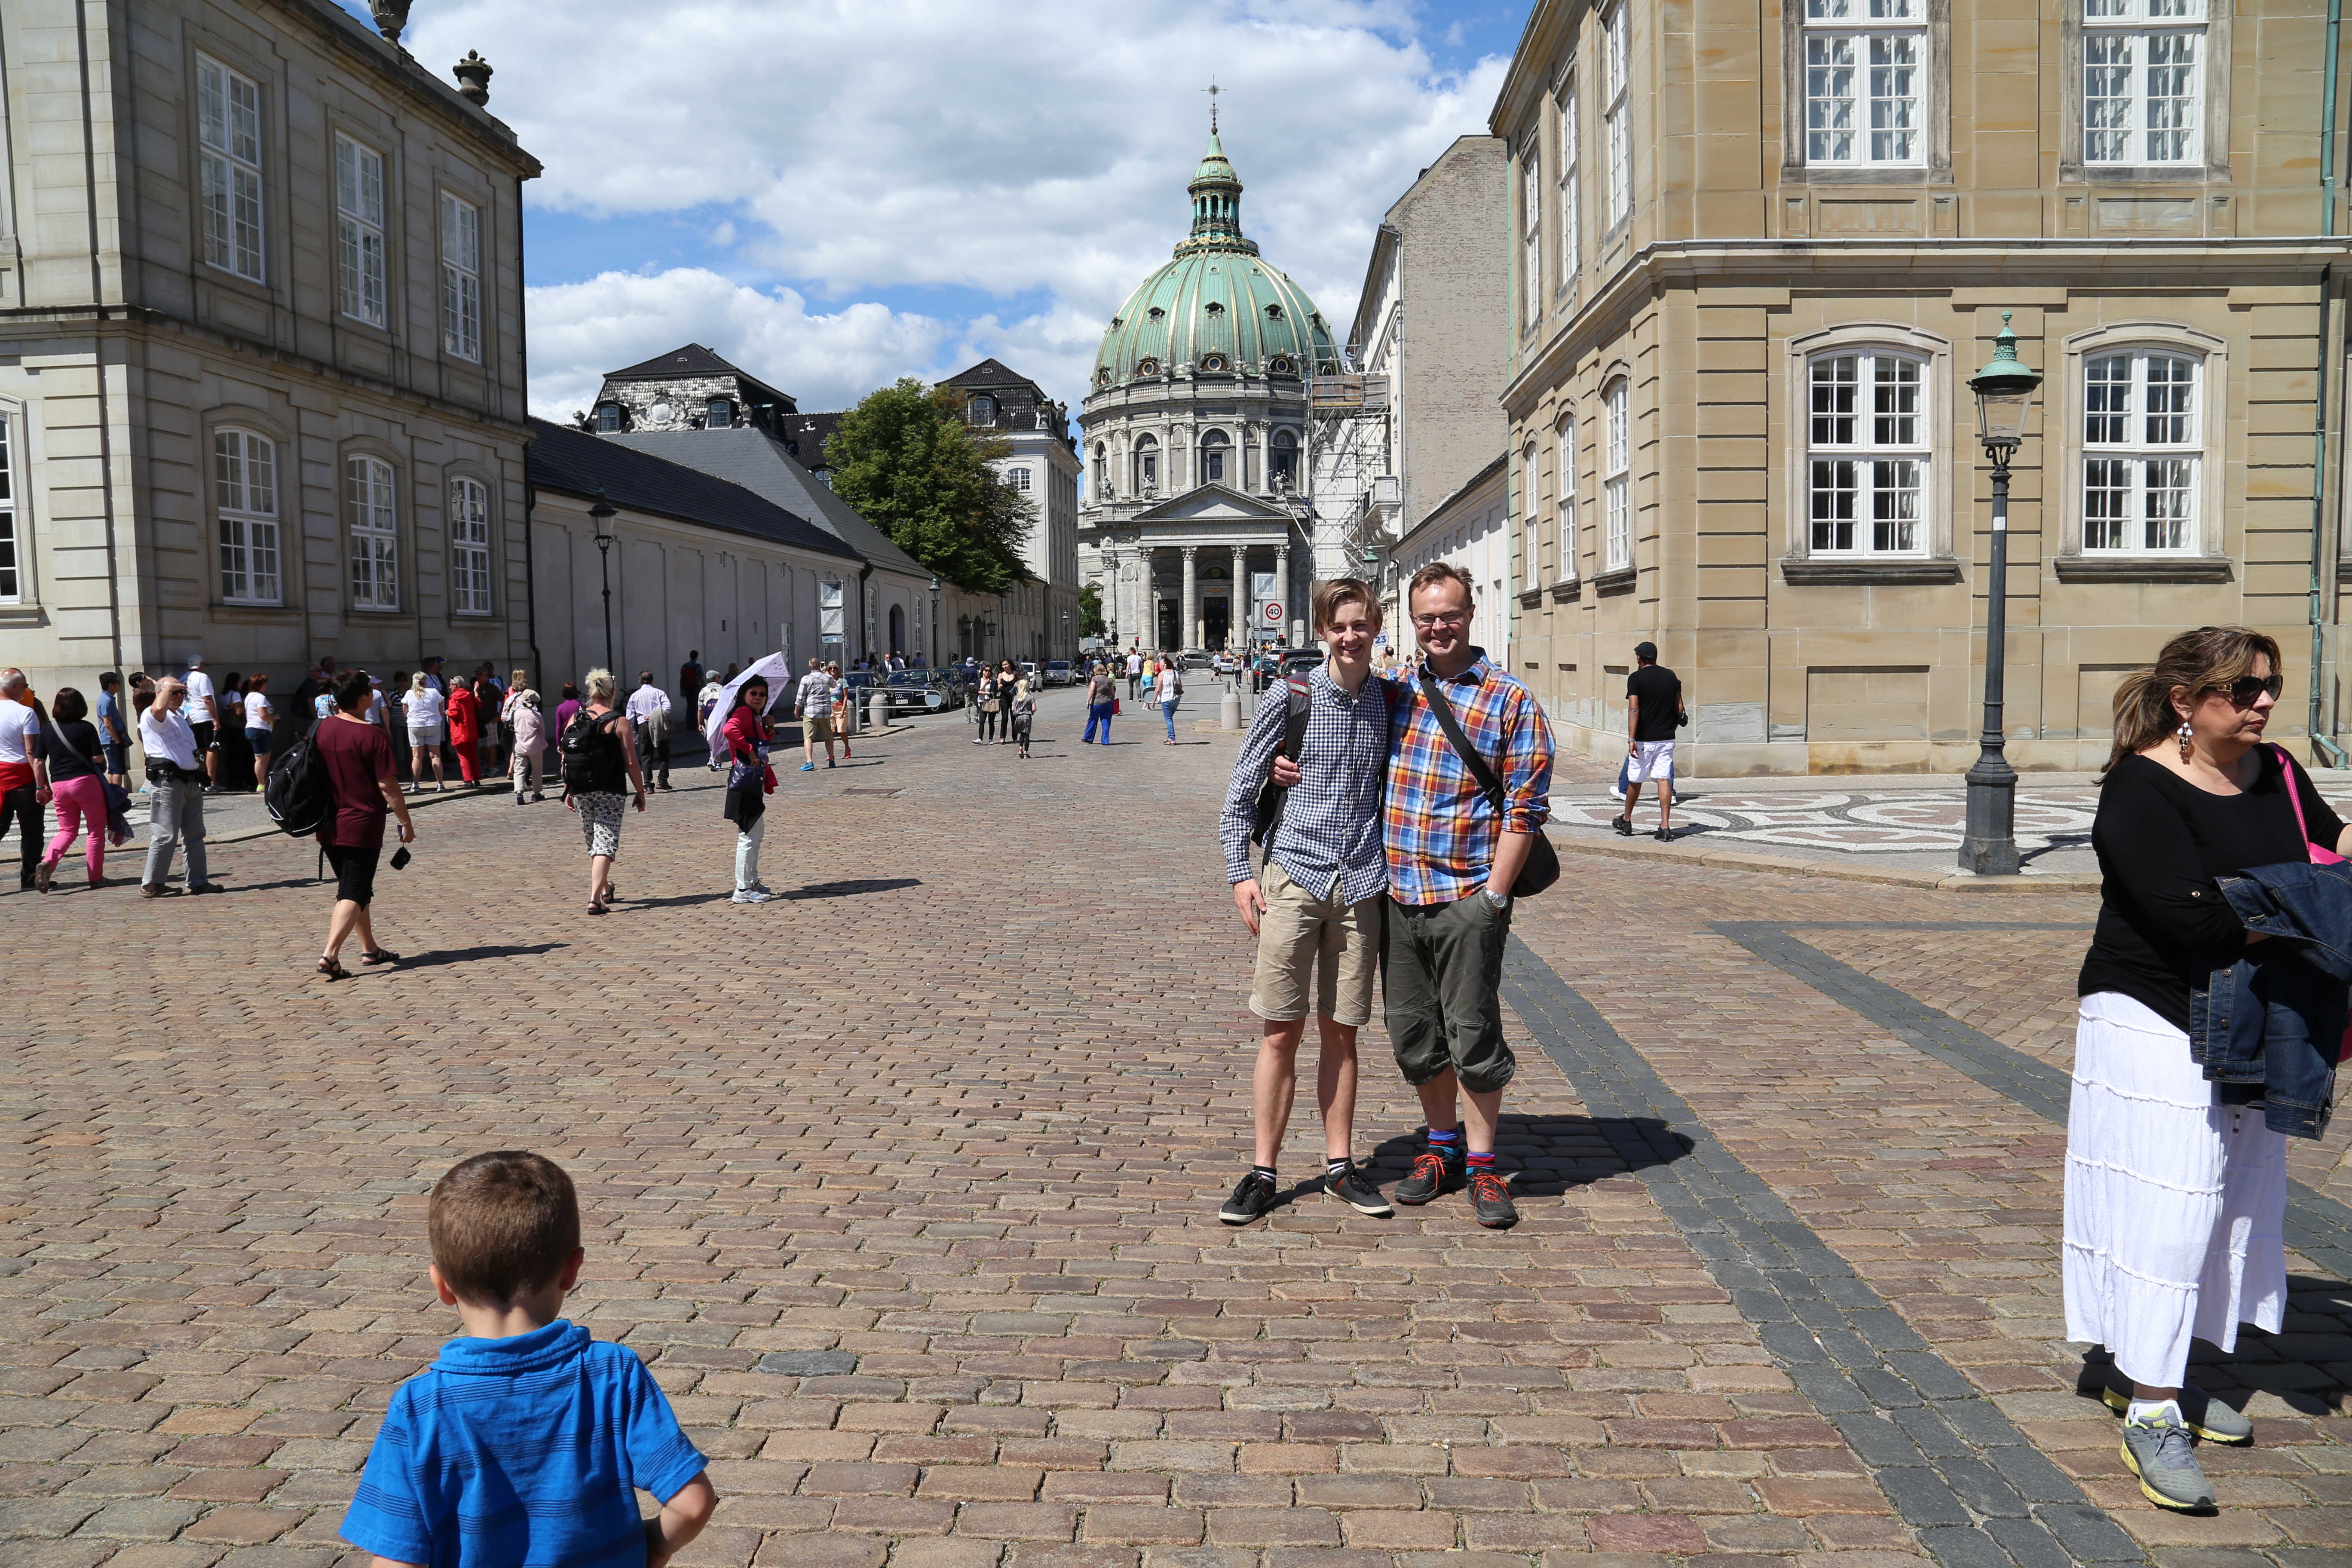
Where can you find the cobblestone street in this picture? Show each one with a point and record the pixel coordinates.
(905, 1185)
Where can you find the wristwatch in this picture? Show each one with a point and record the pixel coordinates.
(1501, 903)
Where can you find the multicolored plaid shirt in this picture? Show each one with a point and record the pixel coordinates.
(1439, 831)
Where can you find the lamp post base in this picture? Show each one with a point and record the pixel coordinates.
(1990, 846)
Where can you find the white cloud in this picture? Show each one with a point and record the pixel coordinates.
(860, 145)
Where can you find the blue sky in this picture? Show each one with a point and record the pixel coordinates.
(832, 192)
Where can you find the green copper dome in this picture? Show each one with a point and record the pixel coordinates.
(1216, 309)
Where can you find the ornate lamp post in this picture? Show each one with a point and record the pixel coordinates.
(601, 514)
(2004, 390)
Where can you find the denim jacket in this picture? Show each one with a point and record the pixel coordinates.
(2274, 1016)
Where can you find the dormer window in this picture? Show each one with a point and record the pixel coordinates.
(721, 414)
(1280, 366)
(1215, 308)
(1102, 375)
(608, 417)
(1274, 312)
(981, 410)
(1147, 367)
(1155, 312)
(1116, 323)
(1213, 362)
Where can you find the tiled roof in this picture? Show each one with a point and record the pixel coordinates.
(757, 461)
(576, 463)
(809, 433)
(691, 360)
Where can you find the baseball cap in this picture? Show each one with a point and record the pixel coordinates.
(1645, 650)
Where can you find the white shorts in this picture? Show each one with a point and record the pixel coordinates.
(1650, 760)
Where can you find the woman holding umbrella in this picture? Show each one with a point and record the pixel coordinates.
(750, 782)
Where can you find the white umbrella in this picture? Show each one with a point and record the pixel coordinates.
(775, 670)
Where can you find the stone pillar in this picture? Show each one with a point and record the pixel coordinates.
(1188, 629)
(1108, 563)
(1237, 608)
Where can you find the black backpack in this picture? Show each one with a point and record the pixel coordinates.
(299, 794)
(586, 744)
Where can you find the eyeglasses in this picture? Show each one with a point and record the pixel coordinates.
(2247, 689)
(1431, 623)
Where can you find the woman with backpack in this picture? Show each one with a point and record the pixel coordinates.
(357, 761)
(600, 761)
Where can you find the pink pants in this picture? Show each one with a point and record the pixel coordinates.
(81, 805)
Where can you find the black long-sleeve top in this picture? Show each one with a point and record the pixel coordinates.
(2163, 844)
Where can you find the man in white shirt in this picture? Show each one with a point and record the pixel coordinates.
(814, 702)
(175, 800)
(204, 718)
(24, 770)
(1134, 676)
(649, 711)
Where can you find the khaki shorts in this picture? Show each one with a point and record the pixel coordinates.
(1299, 932)
(817, 726)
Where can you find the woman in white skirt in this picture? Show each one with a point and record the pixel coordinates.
(2175, 1186)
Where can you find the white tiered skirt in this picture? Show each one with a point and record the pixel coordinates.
(2173, 1203)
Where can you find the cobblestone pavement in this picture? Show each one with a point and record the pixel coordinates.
(904, 1185)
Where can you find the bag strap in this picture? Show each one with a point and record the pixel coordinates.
(2294, 795)
(1298, 703)
(57, 731)
(1487, 782)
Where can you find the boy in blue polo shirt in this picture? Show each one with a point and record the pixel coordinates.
(522, 1444)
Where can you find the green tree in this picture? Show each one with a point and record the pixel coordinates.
(906, 459)
(1090, 617)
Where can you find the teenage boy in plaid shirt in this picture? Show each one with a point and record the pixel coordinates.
(1451, 865)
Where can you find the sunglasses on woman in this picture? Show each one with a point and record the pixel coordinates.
(2247, 689)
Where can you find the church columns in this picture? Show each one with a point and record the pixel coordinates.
(1190, 631)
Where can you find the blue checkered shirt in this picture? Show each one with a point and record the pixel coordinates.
(1332, 823)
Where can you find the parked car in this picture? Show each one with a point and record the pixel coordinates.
(923, 691)
(1195, 659)
(1060, 672)
(1301, 661)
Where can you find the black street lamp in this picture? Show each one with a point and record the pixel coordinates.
(601, 514)
(2004, 390)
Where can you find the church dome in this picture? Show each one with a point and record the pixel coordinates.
(1217, 309)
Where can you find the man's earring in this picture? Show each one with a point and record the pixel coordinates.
(2184, 734)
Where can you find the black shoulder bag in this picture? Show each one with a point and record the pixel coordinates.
(1270, 795)
(1542, 866)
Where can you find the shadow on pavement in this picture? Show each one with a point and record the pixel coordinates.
(467, 955)
(849, 890)
(1548, 1155)
(2300, 1365)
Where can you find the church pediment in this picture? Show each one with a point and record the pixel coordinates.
(1213, 503)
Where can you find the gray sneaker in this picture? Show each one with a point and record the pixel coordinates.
(2207, 1416)
(2161, 1455)
(749, 896)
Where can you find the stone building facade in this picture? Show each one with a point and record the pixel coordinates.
(1200, 514)
(1040, 616)
(261, 345)
(1740, 419)
(1429, 333)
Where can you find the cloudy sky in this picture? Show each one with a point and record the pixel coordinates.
(834, 193)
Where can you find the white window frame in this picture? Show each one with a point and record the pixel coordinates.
(2125, 45)
(1021, 479)
(1531, 236)
(1885, 451)
(1531, 512)
(461, 277)
(13, 571)
(1565, 446)
(1572, 239)
(469, 547)
(1617, 471)
(371, 494)
(1617, 135)
(1861, 40)
(228, 144)
(245, 502)
(359, 231)
(2099, 450)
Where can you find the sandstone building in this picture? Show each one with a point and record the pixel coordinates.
(261, 355)
(1755, 255)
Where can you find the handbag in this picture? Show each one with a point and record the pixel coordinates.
(1542, 866)
(2320, 856)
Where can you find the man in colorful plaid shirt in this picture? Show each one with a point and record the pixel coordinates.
(1451, 864)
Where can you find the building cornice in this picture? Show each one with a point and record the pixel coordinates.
(391, 64)
(1385, 241)
(128, 321)
(1531, 63)
(1863, 267)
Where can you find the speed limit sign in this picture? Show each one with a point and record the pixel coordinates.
(1271, 612)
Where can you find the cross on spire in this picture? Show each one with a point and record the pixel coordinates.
(1212, 90)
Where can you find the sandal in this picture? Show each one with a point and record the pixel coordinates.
(381, 955)
(598, 910)
(333, 970)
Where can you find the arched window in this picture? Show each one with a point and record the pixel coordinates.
(1147, 463)
(245, 486)
(375, 538)
(1102, 471)
(1617, 477)
(1566, 492)
(897, 629)
(1213, 447)
(608, 416)
(1867, 453)
(721, 414)
(981, 410)
(2141, 451)
(469, 547)
(1282, 459)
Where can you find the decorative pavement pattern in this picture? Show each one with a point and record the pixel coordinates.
(903, 1186)
(1900, 821)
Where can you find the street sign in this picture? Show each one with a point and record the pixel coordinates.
(1271, 612)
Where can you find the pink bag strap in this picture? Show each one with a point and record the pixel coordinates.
(2319, 855)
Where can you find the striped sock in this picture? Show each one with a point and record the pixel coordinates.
(1478, 1162)
(1444, 1143)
